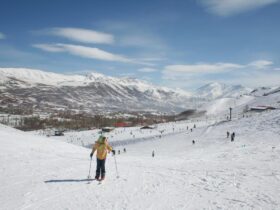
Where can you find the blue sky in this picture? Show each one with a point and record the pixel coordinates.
(174, 43)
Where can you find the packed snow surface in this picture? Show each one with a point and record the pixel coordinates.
(215, 173)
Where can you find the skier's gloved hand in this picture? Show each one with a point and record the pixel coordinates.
(91, 154)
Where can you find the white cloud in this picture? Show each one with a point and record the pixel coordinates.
(261, 64)
(251, 74)
(82, 51)
(201, 68)
(207, 68)
(147, 70)
(90, 52)
(2, 36)
(82, 35)
(232, 7)
(152, 58)
(49, 47)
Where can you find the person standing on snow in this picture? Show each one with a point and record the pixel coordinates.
(232, 136)
(102, 147)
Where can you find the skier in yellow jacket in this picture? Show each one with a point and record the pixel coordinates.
(102, 147)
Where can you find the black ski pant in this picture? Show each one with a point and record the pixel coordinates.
(100, 168)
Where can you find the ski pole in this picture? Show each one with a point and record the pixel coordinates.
(89, 168)
(116, 167)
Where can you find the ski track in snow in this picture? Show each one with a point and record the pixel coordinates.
(41, 173)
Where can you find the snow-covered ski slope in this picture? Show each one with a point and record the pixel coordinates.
(128, 135)
(41, 173)
(221, 106)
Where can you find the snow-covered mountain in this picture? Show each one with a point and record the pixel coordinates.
(218, 90)
(46, 91)
(96, 93)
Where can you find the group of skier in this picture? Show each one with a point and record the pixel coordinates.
(102, 148)
(232, 135)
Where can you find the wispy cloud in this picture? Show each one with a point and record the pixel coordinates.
(261, 64)
(49, 47)
(250, 74)
(147, 70)
(233, 7)
(88, 52)
(81, 35)
(82, 51)
(141, 42)
(2, 36)
(208, 68)
(200, 68)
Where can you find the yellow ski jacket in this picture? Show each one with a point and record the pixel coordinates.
(102, 147)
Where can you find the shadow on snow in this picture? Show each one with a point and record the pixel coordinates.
(68, 180)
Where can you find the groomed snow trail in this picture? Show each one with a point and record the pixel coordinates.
(40, 173)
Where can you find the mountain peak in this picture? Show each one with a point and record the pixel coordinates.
(94, 76)
(34, 76)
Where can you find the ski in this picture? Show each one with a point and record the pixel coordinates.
(100, 181)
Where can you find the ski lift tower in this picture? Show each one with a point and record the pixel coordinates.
(230, 111)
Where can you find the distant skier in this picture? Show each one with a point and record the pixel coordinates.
(187, 127)
(102, 147)
(194, 126)
(124, 150)
(227, 134)
(191, 129)
(119, 152)
(153, 153)
(232, 136)
(193, 141)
